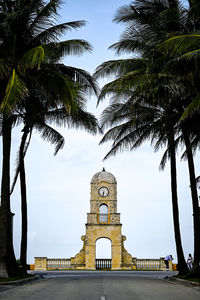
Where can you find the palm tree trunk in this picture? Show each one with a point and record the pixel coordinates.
(195, 205)
(182, 266)
(8, 264)
(23, 252)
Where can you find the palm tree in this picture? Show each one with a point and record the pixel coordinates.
(185, 47)
(147, 24)
(55, 137)
(195, 201)
(135, 121)
(46, 107)
(29, 37)
(184, 50)
(36, 115)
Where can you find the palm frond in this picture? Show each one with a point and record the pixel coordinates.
(124, 144)
(128, 46)
(180, 44)
(63, 89)
(18, 165)
(5, 68)
(191, 54)
(16, 90)
(53, 33)
(70, 47)
(42, 12)
(80, 119)
(51, 135)
(192, 107)
(164, 159)
(120, 66)
(110, 115)
(124, 14)
(84, 80)
(32, 59)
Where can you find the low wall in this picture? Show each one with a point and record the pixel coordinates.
(44, 263)
(53, 263)
(151, 264)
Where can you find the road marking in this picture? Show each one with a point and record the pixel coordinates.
(103, 297)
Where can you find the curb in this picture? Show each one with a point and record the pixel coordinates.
(21, 281)
(183, 282)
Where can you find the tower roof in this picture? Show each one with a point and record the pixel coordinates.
(103, 176)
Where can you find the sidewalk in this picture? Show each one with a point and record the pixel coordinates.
(183, 282)
(20, 281)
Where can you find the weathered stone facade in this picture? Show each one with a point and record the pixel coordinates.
(103, 225)
(41, 263)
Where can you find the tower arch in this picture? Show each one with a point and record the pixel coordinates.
(103, 248)
(103, 213)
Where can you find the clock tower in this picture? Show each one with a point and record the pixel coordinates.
(103, 221)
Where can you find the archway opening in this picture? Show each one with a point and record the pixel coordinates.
(103, 248)
(103, 213)
(103, 254)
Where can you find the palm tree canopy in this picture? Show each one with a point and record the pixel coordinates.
(29, 36)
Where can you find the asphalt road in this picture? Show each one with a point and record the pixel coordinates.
(101, 286)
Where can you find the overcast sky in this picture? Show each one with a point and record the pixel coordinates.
(59, 187)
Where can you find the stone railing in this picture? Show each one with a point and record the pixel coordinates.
(44, 263)
(150, 264)
(61, 263)
(103, 264)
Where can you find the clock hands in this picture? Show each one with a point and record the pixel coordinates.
(103, 191)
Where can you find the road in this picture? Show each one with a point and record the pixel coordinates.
(101, 286)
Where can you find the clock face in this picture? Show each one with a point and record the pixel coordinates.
(103, 191)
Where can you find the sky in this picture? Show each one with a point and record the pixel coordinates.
(59, 186)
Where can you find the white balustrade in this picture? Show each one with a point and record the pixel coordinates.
(60, 263)
(149, 264)
(64, 263)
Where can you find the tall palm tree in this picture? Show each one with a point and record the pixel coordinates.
(29, 37)
(45, 107)
(137, 120)
(184, 50)
(56, 138)
(148, 23)
(185, 46)
(37, 115)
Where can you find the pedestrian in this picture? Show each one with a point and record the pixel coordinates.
(189, 261)
(167, 259)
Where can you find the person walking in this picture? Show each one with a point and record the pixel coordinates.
(167, 259)
(189, 261)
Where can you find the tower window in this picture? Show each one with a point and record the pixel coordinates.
(103, 213)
